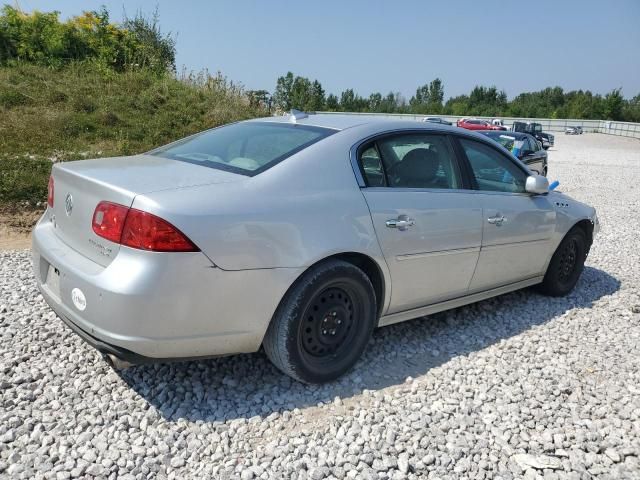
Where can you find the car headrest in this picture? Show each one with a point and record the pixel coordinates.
(418, 167)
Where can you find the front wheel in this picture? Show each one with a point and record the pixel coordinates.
(566, 265)
(323, 324)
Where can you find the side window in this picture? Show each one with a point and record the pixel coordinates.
(492, 170)
(536, 145)
(372, 167)
(419, 161)
(533, 145)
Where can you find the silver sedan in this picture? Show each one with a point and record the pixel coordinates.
(301, 234)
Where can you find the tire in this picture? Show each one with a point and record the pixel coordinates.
(323, 323)
(566, 265)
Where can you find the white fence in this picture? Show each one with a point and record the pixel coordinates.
(624, 129)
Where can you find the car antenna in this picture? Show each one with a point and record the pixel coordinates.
(296, 115)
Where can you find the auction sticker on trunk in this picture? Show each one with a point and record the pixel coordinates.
(78, 299)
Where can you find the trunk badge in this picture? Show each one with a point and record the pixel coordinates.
(68, 204)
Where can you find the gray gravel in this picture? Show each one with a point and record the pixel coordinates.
(520, 386)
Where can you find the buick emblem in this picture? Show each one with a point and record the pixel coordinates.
(68, 204)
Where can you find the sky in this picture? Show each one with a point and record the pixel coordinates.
(376, 46)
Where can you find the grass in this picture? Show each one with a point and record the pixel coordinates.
(79, 112)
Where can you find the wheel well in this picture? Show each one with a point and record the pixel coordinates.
(371, 270)
(587, 227)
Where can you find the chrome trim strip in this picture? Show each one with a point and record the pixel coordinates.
(456, 302)
(496, 246)
(437, 253)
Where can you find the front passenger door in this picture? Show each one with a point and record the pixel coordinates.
(517, 226)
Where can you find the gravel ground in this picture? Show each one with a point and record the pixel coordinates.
(520, 386)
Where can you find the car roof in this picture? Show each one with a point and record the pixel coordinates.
(340, 121)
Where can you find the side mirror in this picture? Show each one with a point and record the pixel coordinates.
(536, 184)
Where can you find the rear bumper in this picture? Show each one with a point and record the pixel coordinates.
(147, 306)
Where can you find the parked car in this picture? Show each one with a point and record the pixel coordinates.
(525, 147)
(497, 122)
(535, 129)
(473, 124)
(436, 120)
(300, 234)
(573, 130)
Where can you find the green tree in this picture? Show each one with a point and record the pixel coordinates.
(282, 93)
(613, 105)
(317, 101)
(419, 103)
(301, 93)
(332, 104)
(436, 96)
(352, 102)
(375, 101)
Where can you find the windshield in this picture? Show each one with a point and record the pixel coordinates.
(246, 148)
(506, 141)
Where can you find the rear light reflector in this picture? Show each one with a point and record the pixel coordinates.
(137, 229)
(108, 220)
(50, 192)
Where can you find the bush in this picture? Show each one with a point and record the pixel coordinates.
(83, 111)
(41, 38)
(23, 179)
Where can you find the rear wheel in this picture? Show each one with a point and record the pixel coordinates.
(323, 324)
(566, 264)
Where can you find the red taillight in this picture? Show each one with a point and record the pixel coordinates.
(108, 220)
(148, 232)
(50, 192)
(138, 229)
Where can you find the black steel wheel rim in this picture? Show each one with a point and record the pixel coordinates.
(330, 323)
(568, 261)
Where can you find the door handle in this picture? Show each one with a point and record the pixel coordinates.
(497, 220)
(401, 223)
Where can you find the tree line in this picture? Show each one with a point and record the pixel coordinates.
(137, 43)
(301, 93)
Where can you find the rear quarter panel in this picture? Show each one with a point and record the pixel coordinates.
(300, 211)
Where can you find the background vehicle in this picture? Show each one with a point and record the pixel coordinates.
(497, 122)
(571, 131)
(525, 147)
(436, 120)
(301, 234)
(535, 129)
(473, 124)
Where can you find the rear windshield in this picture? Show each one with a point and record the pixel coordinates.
(246, 148)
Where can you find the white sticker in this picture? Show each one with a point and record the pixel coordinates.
(78, 299)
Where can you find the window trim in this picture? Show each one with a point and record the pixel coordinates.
(358, 148)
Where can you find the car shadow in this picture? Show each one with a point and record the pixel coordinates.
(245, 386)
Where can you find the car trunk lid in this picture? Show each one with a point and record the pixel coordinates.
(80, 186)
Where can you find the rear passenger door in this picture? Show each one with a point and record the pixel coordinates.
(427, 221)
(517, 226)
